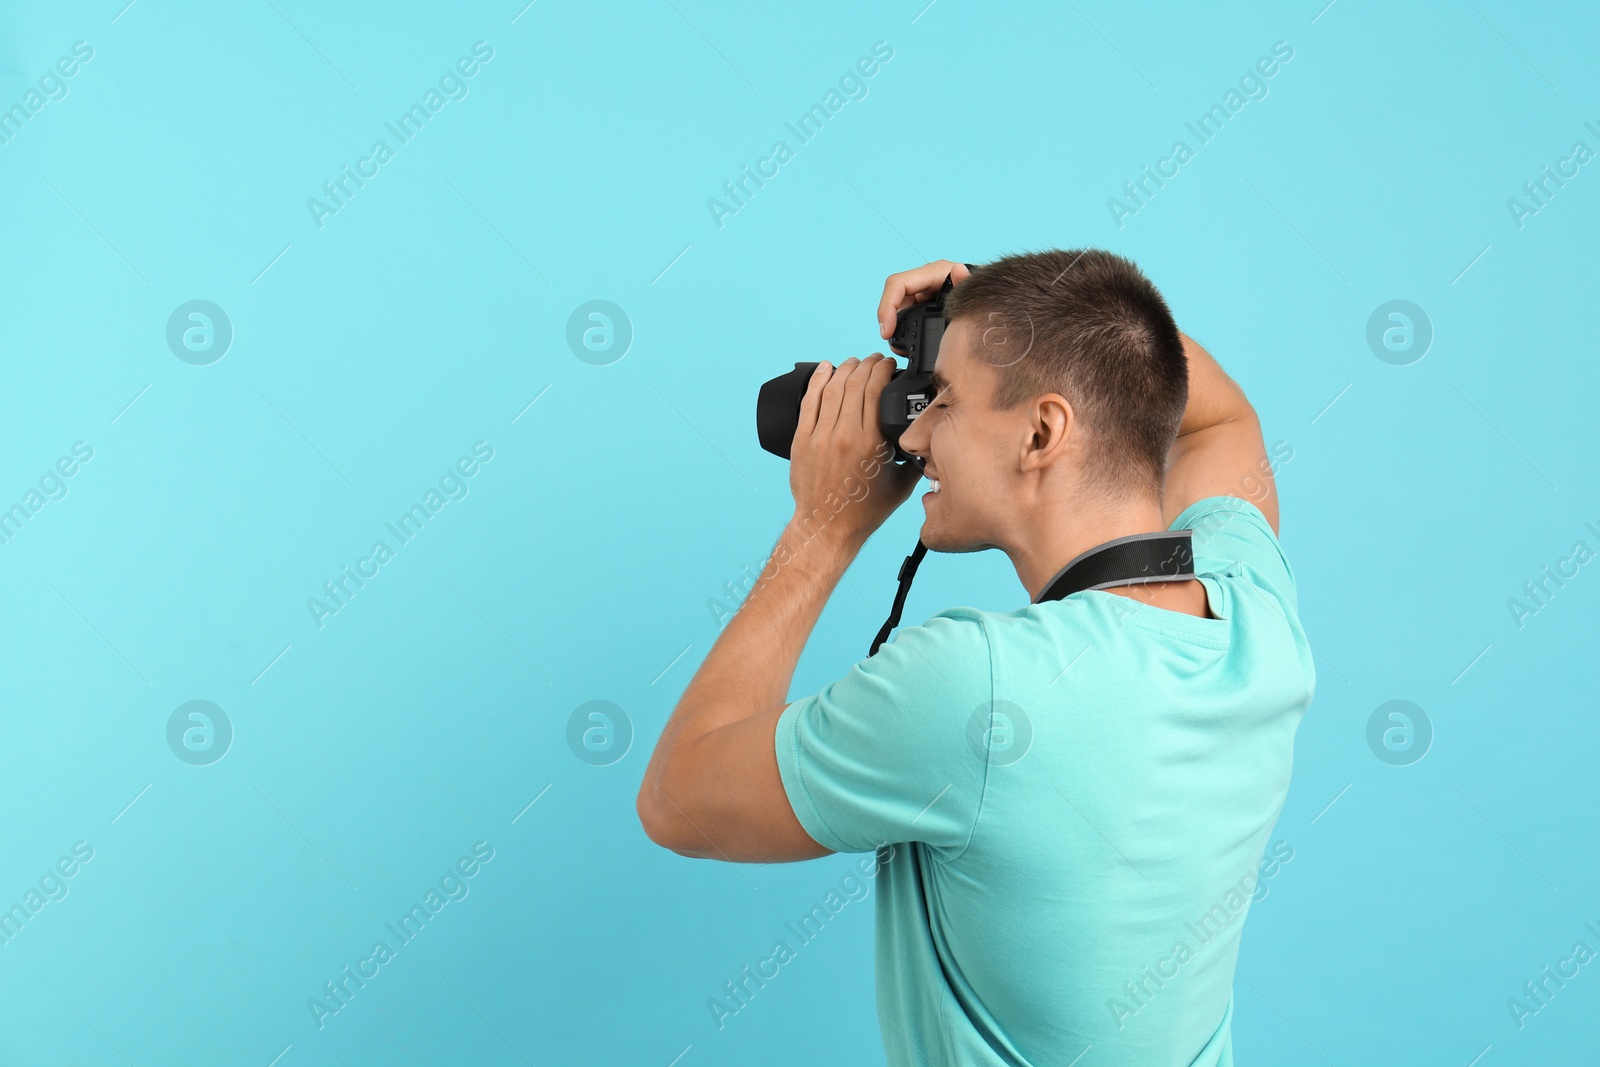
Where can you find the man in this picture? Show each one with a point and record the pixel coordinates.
(1070, 801)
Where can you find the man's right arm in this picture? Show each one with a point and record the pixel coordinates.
(1219, 449)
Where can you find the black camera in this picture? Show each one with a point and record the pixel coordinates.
(917, 332)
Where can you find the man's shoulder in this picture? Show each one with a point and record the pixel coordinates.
(963, 630)
(1210, 515)
(955, 631)
(969, 637)
(950, 652)
(1232, 536)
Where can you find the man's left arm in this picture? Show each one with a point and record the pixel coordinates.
(712, 788)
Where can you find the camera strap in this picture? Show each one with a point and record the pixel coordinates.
(908, 571)
(1165, 556)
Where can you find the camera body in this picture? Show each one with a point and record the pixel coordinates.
(918, 330)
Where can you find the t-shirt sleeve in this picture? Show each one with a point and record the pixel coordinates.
(896, 750)
(1232, 528)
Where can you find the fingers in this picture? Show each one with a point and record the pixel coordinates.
(860, 404)
(812, 400)
(829, 413)
(844, 397)
(914, 286)
(882, 373)
(902, 289)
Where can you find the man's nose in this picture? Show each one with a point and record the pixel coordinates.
(910, 444)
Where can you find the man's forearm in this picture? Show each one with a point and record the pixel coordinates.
(751, 665)
(1214, 398)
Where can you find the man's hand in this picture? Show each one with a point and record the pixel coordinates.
(915, 286)
(841, 469)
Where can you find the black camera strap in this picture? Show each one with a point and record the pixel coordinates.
(908, 571)
(1165, 556)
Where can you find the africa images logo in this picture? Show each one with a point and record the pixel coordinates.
(852, 85)
(453, 885)
(453, 484)
(452, 85)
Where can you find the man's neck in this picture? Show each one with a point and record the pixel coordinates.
(1051, 543)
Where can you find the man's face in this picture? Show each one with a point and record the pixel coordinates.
(970, 450)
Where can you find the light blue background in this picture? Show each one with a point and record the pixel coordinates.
(426, 315)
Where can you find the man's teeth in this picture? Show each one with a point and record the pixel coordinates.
(935, 483)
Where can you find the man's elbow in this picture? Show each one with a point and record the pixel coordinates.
(647, 807)
(669, 800)
(661, 822)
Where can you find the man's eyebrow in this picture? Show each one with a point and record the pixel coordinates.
(939, 381)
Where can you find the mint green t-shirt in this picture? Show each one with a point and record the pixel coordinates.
(1070, 803)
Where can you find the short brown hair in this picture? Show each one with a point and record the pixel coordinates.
(1086, 324)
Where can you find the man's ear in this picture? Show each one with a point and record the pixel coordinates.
(1050, 430)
